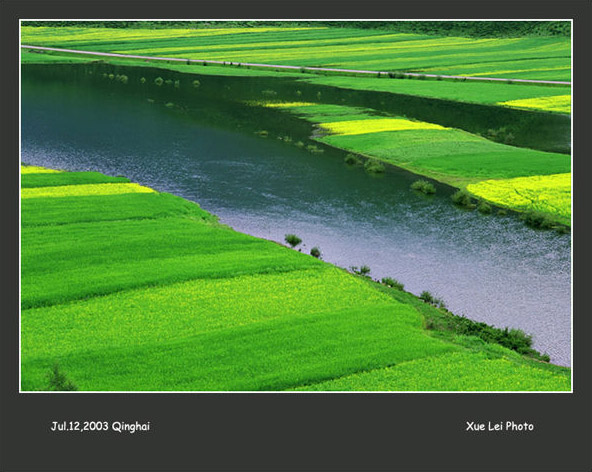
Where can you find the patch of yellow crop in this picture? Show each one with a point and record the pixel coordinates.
(545, 193)
(345, 128)
(37, 170)
(560, 103)
(84, 190)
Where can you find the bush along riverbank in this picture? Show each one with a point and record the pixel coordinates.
(128, 289)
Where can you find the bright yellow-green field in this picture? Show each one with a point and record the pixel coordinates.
(544, 193)
(559, 103)
(349, 128)
(81, 190)
(37, 170)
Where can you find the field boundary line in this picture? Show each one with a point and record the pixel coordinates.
(295, 68)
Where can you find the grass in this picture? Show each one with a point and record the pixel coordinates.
(151, 293)
(30, 180)
(455, 371)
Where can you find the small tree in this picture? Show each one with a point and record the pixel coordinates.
(292, 240)
(315, 252)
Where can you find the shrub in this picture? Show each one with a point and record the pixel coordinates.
(364, 270)
(159, 81)
(168, 81)
(502, 212)
(319, 95)
(424, 186)
(268, 93)
(57, 381)
(462, 198)
(263, 133)
(374, 167)
(142, 80)
(426, 297)
(352, 159)
(298, 93)
(177, 83)
(536, 219)
(484, 208)
(315, 252)
(438, 302)
(292, 240)
(196, 83)
(299, 144)
(111, 76)
(393, 283)
(314, 149)
(169, 105)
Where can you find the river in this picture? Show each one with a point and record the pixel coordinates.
(488, 268)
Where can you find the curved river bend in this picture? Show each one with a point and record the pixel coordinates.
(489, 268)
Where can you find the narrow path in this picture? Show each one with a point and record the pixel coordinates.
(297, 68)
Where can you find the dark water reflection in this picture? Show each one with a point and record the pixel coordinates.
(490, 268)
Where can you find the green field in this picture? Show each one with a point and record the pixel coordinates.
(534, 57)
(147, 291)
(489, 170)
(538, 57)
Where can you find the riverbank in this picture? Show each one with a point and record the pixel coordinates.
(490, 166)
(151, 293)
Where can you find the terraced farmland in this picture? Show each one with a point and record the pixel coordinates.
(129, 290)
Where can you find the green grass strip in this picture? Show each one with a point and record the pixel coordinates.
(30, 180)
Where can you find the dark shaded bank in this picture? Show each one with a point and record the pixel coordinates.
(537, 130)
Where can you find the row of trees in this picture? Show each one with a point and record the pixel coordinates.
(477, 29)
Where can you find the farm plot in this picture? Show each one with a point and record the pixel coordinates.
(532, 97)
(548, 194)
(162, 297)
(445, 154)
(535, 58)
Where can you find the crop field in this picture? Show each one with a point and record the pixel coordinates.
(557, 103)
(531, 57)
(129, 291)
(536, 97)
(449, 155)
(550, 194)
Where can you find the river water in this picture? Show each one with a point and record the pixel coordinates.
(488, 268)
